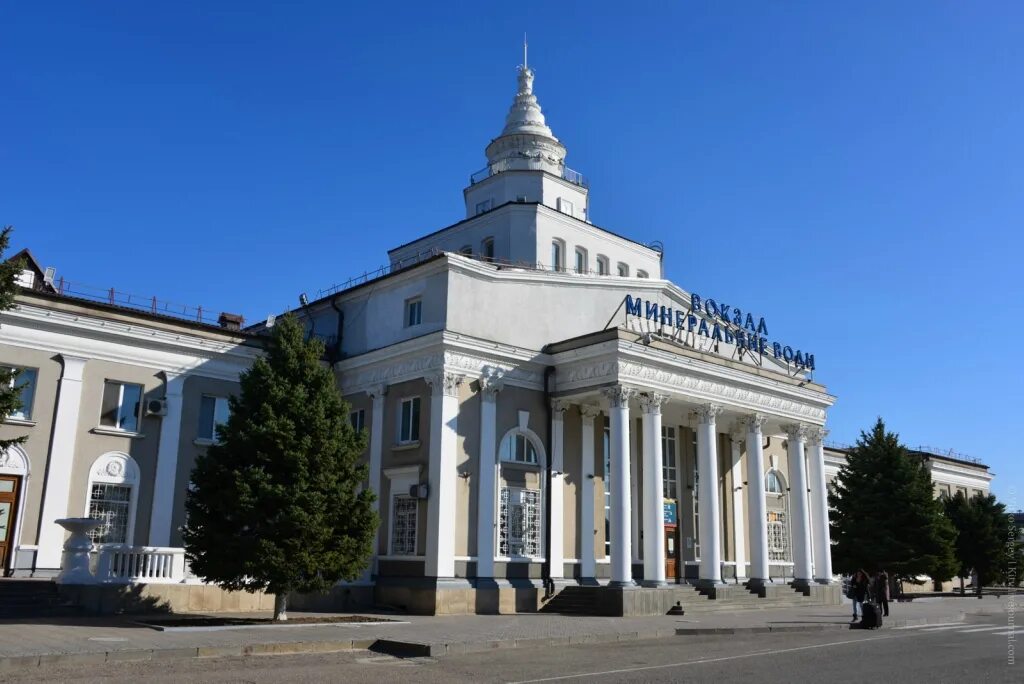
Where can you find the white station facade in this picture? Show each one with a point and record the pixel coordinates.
(543, 410)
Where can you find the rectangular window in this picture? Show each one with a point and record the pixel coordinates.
(213, 411)
(110, 503)
(519, 522)
(565, 206)
(487, 249)
(668, 460)
(121, 405)
(403, 525)
(484, 206)
(25, 378)
(358, 419)
(556, 256)
(409, 426)
(413, 312)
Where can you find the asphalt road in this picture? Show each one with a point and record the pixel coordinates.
(975, 651)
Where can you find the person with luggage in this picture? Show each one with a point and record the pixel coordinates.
(882, 591)
(858, 591)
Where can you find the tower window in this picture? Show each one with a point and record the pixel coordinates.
(602, 265)
(485, 206)
(623, 270)
(565, 206)
(641, 274)
(413, 311)
(487, 249)
(581, 260)
(466, 250)
(557, 255)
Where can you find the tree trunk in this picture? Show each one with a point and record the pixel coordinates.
(280, 607)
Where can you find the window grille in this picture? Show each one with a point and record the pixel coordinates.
(403, 526)
(778, 537)
(519, 522)
(110, 503)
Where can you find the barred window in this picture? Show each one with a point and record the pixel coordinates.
(403, 525)
(111, 504)
(519, 522)
(778, 537)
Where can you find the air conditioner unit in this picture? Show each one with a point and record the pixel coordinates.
(156, 407)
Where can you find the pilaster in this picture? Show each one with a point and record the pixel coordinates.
(441, 508)
(164, 485)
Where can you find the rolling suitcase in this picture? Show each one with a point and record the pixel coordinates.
(871, 616)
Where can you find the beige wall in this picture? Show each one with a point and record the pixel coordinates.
(37, 446)
(393, 456)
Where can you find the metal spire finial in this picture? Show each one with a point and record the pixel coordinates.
(525, 65)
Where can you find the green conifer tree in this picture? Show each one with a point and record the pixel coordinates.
(275, 505)
(983, 531)
(10, 390)
(885, 514)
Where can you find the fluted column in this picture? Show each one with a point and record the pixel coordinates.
(709, 507)
(487, 474)
(556, 544)
(587, 503)
(801, 530)
(757, 507)
(441, 508)
(819, 505)
(653, 503)
(738, 526)
(622, 571)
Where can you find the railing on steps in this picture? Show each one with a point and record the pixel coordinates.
(125, 564)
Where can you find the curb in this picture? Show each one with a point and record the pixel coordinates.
(818, 627)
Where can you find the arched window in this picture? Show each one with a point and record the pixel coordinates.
(623, 270)
(466, 250)
(520, 494)
(487, 249)
(15, 467)
(581, 260)
(557, 255)
(517, 447)
(773, 483)
(641, 274)
(112, 497)
(602, 265)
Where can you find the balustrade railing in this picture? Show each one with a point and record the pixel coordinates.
(121, 563)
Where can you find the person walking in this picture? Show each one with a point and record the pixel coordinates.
(882, 591)
(859, 591)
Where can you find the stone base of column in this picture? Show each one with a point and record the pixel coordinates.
(756, 583)
(653, 584)
(628, 584)
(709, 583)
(824, 580)
(804, 584)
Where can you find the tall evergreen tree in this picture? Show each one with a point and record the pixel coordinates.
(10, 390)
(885, 514)
(983, 530)
(276, 504)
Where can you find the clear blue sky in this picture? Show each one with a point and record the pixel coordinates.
(853, 171)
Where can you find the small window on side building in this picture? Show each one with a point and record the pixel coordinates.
(413, 312)
(121, 405)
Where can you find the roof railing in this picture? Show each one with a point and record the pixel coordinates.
(574, 177)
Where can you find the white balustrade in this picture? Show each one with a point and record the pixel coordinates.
(124, 564)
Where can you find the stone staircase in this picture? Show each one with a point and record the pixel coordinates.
(577, 600)
(32, 598)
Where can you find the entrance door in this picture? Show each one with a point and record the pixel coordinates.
(671, 553)
(8, 513)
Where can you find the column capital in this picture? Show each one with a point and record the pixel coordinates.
(378, 391)
(708, 413)
(754, 422)
(796, 431)
(619, 395)
(816, 434)
(559, 407)
(651, 402)
(589, 411)
(492, 382)
(445, 383)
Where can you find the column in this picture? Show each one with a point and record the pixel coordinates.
(634, 491)
(58, 471)
(800, 525)
(166, 463)
(442, 475)
(487, 474)
(819, 506)
(556, 543)
(757, 508)
(378, 396)
(709, 506)
(587, 561)
(653, 504)
(738, 527)
(622, 559)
